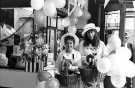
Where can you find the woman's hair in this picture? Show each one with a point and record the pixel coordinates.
(95, 41)
(69, 38)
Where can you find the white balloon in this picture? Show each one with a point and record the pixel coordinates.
(72, 29)
(118, 81)
(49, 9)
(121, 67)
(107, 51)
(59, 3)
(114, 42)
(124, 53)
(103, 65)
(40, 18)
(66, 22)
(37, 4)
(86, 14)
(115, 67)
(129, 69)
(73, 21)
(78, 12)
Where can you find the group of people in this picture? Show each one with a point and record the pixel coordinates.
(91, 46)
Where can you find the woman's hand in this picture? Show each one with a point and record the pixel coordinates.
(73, 68)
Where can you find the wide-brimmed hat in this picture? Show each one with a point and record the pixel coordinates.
(70, 34)
(89, 27)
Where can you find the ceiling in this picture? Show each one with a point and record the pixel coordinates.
(14, 3)
(26, 3)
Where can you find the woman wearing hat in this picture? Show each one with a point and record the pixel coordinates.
(92, 48)
(69, 58)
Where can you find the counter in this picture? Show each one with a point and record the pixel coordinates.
(17, 79)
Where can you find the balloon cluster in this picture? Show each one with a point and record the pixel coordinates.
(49, 8)
(46, 8)
(45, 80)
(117, 64)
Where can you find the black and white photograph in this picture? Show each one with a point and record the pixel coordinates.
(67, 43)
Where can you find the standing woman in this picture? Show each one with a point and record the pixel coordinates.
(91, 46)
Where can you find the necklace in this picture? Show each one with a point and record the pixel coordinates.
(93, 49)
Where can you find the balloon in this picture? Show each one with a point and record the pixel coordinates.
(52, 83)
(73, 21)
(124, 53)
(27, 28)
(114, 42)
(126, 67)
(72, 29)
(66, 22)
(37, 4)
(118, 81)
(40, 19)
(129, 69)
(103, 65)
(107, 51)
(49, 9)
(59, 3)
(114, 69)
(78, 12)
(82, 20)
(43, 76)
(86, 14)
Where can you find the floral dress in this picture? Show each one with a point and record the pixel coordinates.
(74, 57)
(99, 52)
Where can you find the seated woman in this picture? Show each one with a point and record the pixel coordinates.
(69, 59)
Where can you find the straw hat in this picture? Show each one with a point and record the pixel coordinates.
(89, 27)
(70, 34)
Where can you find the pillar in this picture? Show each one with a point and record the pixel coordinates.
(122, 21)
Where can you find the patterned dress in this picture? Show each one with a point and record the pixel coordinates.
(74, 57)
(100, 51)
